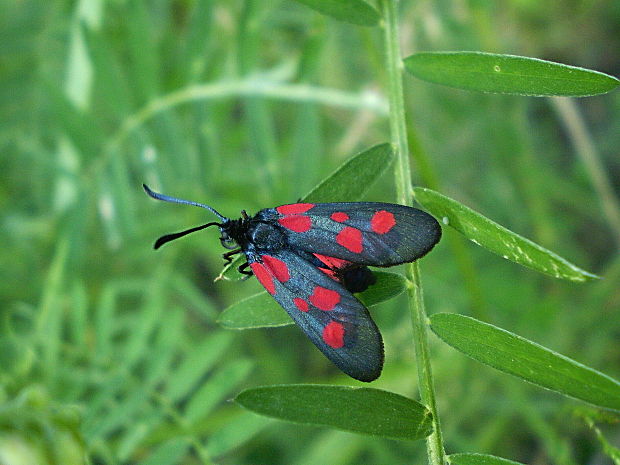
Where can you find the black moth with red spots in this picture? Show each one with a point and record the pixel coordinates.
(311, 257)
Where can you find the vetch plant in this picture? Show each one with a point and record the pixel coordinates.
(501, 349)
(114, 354)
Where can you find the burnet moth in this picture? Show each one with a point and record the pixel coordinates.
(311, 257)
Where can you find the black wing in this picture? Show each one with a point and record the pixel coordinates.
(334, 320)
(365, 233)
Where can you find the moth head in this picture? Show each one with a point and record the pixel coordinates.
(226, 240)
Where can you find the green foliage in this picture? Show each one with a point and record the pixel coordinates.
(112, 353)
(530, 361)
(479, 459)
(369, 411)
(169, 453)
(508, 74)
(498, 239)
(35, 429)
(354, 177)
(596, 421)
(351, 11)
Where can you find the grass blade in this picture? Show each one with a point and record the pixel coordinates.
(171, 452)
(216, 388)
(196, 364)
(350, 11)
(235, 432)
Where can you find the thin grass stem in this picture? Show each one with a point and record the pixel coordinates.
(398, 129)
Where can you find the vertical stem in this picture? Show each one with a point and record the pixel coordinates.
(398, 129)
(434, 442)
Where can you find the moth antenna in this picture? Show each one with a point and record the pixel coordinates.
(170, 237)
(167, 198)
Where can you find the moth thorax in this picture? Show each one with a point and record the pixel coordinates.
(266, 236)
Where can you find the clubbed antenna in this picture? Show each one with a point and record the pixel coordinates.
(170, 237)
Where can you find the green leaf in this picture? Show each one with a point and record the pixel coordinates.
(360, 410)
(479, 459)
(490, 235)
(517, 356)
(350, 11)
(591, 417)
(354, 177)
(216, 388)
(347, 184)
(169, 453)
(261, 310)
(388, 286)
(235, 432)
(508, 74)
(196, 362)
(257, 311)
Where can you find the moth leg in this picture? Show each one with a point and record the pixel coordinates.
(228, 256)
(243, 269)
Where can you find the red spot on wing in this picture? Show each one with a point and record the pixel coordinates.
(296, 223)
(333, 334)
(277, 268)
(294, 208)
(301, 304)
(382, 221)
(324, 299)
(263, 276)
(351, 239)
(339, 217)
(332, 262)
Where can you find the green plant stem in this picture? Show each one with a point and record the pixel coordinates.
(249, 87)
(398, 129)
(434, 442)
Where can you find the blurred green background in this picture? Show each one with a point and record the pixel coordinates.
(112, 350)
